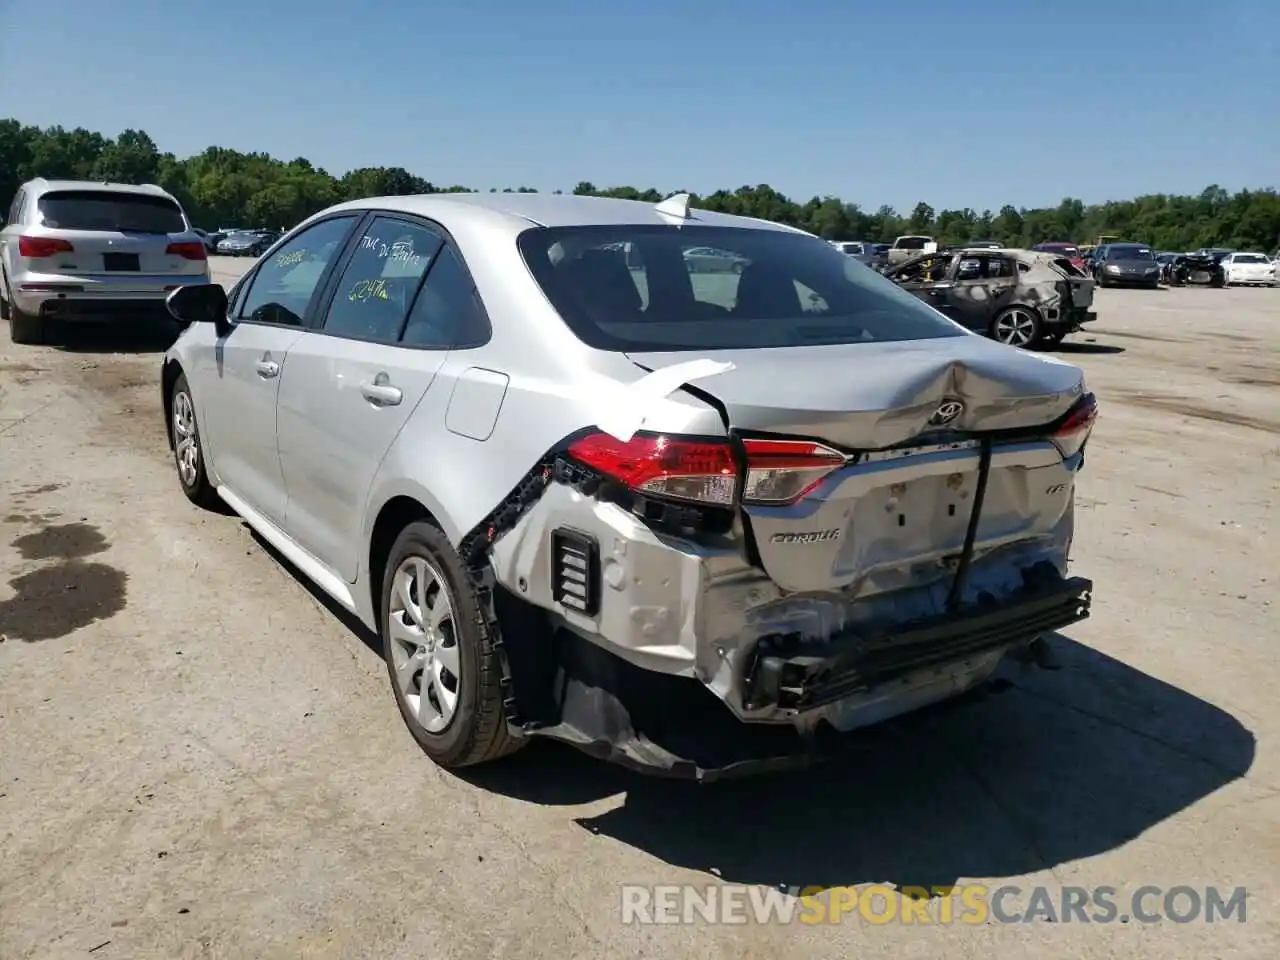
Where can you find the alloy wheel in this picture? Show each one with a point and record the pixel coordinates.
(186, 444)
(424, 645)
(1016, 327)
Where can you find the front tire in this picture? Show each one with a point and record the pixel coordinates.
(444, 668)
(1016, 327)
(188, 453)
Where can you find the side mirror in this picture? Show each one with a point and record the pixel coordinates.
(200, 303)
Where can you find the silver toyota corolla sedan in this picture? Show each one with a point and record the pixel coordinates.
(694, 522)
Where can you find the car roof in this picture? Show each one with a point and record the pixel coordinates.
(553, 210)
(41, 185)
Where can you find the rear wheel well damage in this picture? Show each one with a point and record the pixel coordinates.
(396, 514)
(503, 613)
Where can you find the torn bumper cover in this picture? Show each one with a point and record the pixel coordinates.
(673, 726)
(789, 673)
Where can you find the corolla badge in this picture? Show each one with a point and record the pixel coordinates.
(947, 412)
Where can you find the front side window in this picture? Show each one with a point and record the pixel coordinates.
(926, 270)
(380, 280)
(284, 284)
(108, 210)
(718, 288)
(984, 268)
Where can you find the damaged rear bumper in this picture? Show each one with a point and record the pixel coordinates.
(674, 726)
(788, 673)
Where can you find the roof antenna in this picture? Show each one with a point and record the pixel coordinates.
(676, 205)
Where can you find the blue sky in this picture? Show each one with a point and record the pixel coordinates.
(956, 103)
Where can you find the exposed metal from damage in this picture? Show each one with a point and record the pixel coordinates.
(764, 658)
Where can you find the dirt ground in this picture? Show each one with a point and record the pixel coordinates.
(199, 759)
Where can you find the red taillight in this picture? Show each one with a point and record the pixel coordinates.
(782, 471)
(188, 250)
(699, 470)
(37, 247)
(779, 472)
(1075, 430)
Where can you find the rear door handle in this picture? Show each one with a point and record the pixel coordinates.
(381, 394)
(268, 369)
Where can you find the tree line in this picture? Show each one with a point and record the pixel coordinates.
(222, 187)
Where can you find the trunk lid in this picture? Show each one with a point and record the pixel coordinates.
(98, 253)
(893, 514)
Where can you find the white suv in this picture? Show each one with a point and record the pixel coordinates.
(76, 250)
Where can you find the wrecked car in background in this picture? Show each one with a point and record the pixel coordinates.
(1022, 298)
(692, 523)
(1200, 269)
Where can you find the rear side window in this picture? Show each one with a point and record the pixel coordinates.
(643, 288)
(380, 280)
(448, 313)
(109, 211)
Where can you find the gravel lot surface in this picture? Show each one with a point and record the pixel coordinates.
(198, 758)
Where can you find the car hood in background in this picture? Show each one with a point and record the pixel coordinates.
(1132, 264)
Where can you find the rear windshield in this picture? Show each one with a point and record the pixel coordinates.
(635, 288)
(1251, 258)
(911, 243)
(104, 210)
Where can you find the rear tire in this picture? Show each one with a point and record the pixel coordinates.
(1017, 326)
(441, 660)
(23, 327)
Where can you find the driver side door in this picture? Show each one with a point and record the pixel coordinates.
(268, 317)
(929, 280)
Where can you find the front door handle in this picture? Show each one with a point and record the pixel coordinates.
(381, 394)
(268, 369)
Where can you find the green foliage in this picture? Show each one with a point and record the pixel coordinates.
(225, 187)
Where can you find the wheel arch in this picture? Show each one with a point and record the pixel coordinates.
(169, 374)
(392, 517)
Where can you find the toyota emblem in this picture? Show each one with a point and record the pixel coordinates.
(947, 412)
